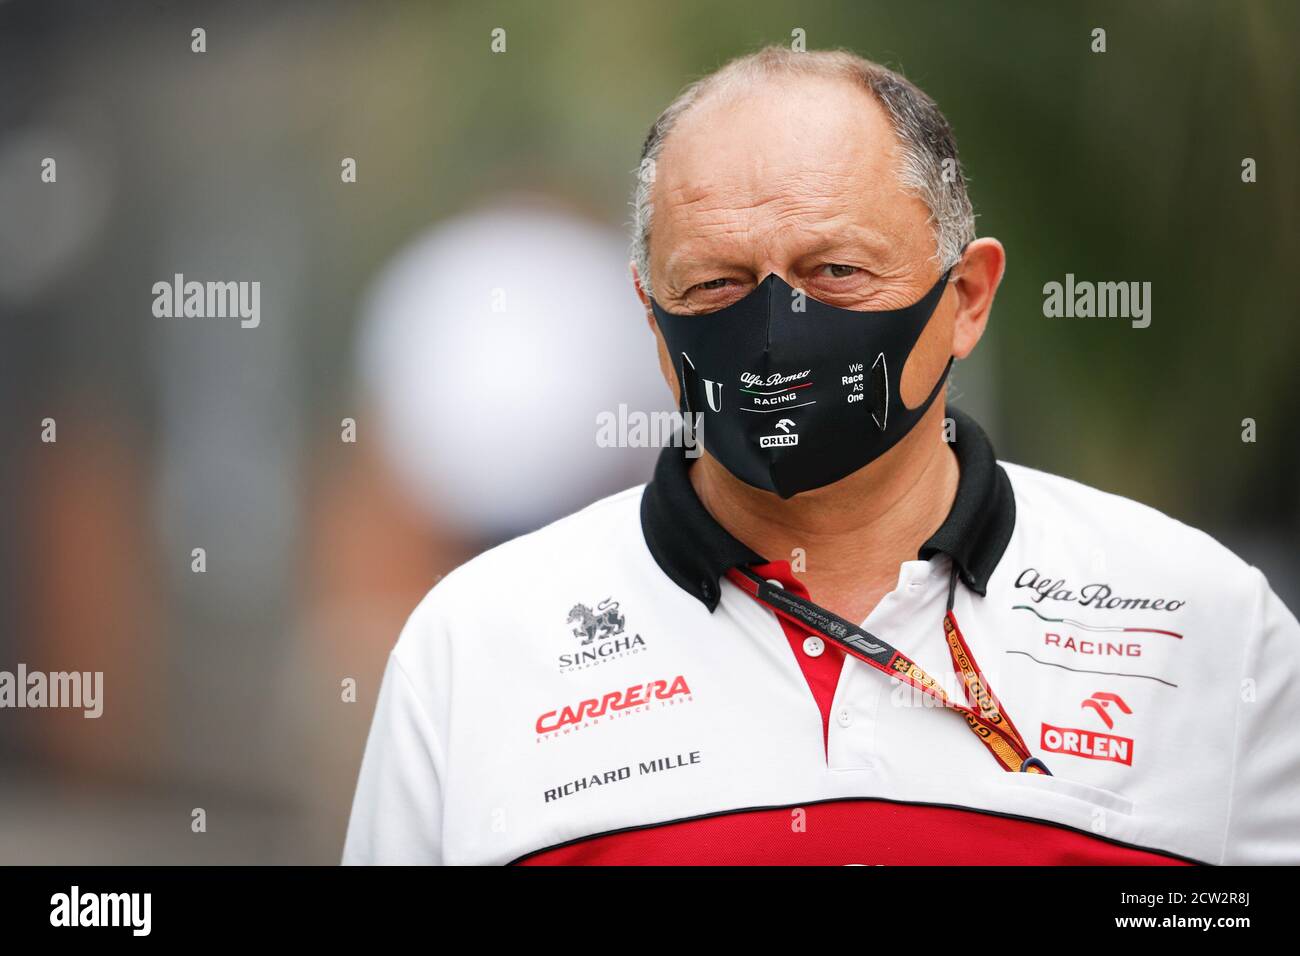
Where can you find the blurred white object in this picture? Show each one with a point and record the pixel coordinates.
(489, 346)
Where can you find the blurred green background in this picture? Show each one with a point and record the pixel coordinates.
(1122, 166)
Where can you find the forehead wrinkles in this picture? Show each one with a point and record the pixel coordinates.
(705, 225)
(816, 155)
(761, 183)
(768, 153)
(753, 224)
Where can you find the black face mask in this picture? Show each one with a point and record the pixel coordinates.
(792, 393)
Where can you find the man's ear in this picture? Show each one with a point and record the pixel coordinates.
(976, 279)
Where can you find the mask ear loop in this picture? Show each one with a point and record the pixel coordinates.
(879, 382)
(879, 375)
(952, 577)
(686, 379)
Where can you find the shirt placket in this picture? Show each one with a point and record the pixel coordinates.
(900, 617)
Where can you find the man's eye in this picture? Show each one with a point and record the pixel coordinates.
(712, 284)
(836, 271)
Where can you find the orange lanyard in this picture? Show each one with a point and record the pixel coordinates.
(985, 716)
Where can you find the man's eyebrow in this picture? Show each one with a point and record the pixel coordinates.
(821, 239)
(683, 258)
(825, 237)
(861, 252)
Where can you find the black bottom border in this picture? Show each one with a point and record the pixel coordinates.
(242, 904)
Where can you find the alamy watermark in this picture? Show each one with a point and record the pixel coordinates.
(1103, 300)
(74, 690)
(632, 428)
(75, 908)
(208, 300)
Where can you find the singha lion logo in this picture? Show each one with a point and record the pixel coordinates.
(604, 622)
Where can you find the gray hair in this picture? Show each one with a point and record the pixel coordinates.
(929, 165)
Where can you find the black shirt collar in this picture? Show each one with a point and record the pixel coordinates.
(695, 551)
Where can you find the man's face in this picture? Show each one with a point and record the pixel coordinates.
(795, 176)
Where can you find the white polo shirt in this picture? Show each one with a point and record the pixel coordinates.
(599, 692)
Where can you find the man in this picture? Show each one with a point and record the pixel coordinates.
(845, 634)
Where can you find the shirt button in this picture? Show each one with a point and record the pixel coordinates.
(813, 646)
(844, 717)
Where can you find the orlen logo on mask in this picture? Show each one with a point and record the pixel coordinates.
(614, 703)
(779, 441)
